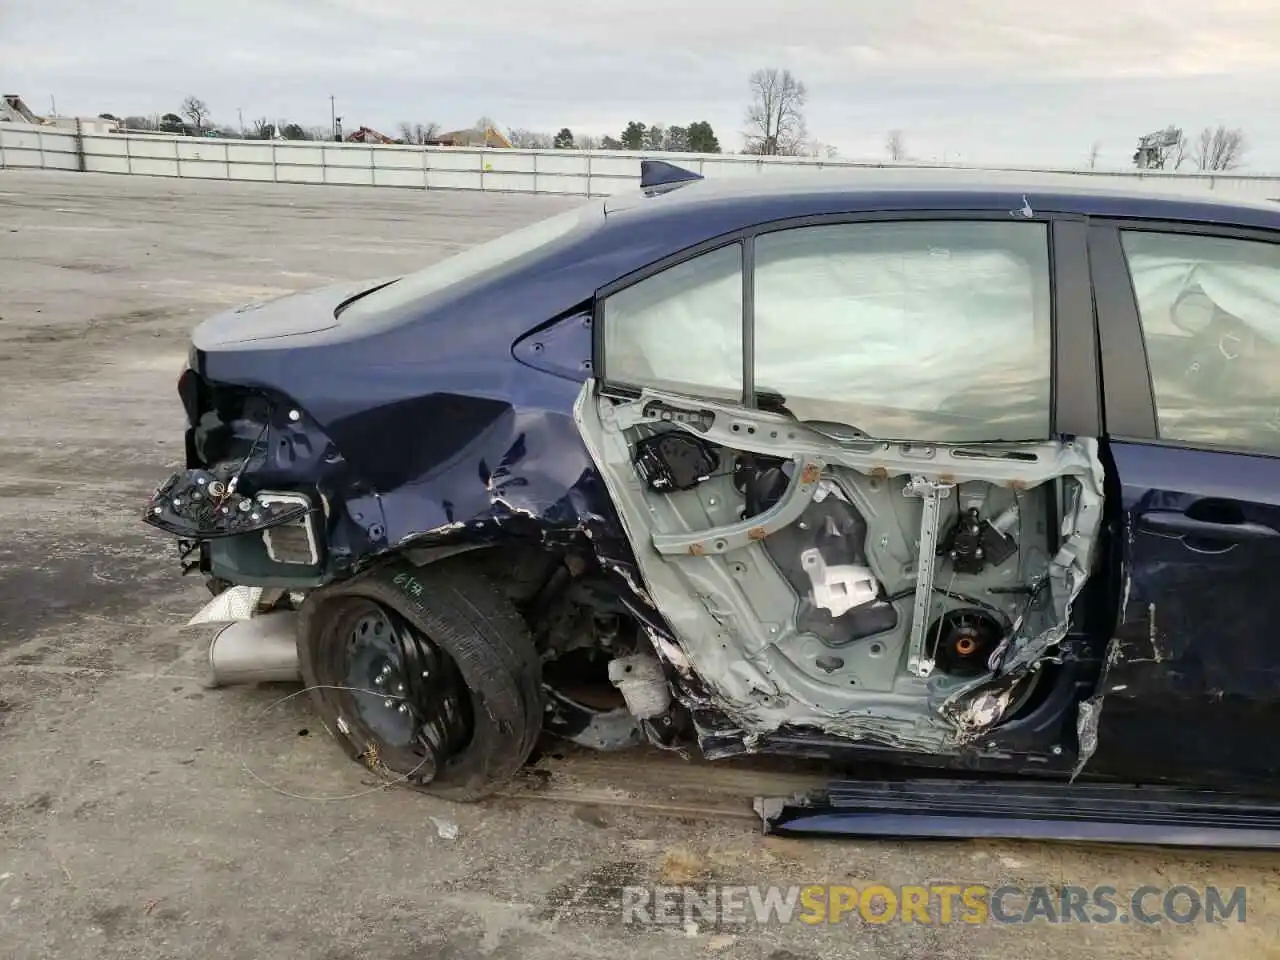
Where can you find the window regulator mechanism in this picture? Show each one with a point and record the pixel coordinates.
(932, 493)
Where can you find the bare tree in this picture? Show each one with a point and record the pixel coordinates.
(587, 141)
(1094, 149)
(418, 132)
(775, 118)
(895, 145)
(195, 110)
(1219, 149)
(530, 139)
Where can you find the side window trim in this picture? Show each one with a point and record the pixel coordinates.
(749, 321)
(1129, 407)
(1077, 406)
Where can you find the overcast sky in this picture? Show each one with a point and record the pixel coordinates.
(1026, 81)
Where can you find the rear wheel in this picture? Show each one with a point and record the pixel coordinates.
(438, 681)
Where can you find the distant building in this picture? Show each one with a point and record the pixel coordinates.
(368, 135)
(89, 125)
(488, 137)
(14, 110)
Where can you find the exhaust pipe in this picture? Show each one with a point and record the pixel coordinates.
(262, 649)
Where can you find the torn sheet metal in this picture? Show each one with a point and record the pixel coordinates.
(974, 709)
(487, 472)
(234, 603)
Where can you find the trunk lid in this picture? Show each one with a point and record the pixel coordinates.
(291, 315)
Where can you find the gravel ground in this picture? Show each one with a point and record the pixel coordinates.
(134, 818)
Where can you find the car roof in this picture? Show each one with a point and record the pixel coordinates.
(870, 189)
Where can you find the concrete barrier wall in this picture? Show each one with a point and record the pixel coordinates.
(48, 148)
(454, 168)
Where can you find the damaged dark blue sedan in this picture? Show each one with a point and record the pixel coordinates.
(965, 475)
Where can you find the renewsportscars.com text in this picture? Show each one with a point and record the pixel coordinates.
(933, 904)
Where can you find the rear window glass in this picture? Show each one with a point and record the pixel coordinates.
(507, 249)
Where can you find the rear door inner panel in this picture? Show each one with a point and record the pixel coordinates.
(789, 564)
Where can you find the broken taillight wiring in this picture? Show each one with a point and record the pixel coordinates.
(244, 465)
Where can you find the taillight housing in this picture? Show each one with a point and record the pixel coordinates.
(189, 394)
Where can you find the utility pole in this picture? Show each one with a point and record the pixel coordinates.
(240, 119)
(53, 106)
(333, 119)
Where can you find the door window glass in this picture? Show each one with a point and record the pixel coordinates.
(681, 329)
(1210, 312)
(931, 330)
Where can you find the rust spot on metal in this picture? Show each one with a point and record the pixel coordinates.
(697, 549)
(946, 478)
(757, 533)
(810, 473)
(880, 473)
(1016, 484)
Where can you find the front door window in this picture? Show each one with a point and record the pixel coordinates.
(1210, 312)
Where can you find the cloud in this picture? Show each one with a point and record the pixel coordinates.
(985, 80)
(1018, 37)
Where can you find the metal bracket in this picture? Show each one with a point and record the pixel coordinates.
(933, 493)
(840, 588)
(806, 472)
